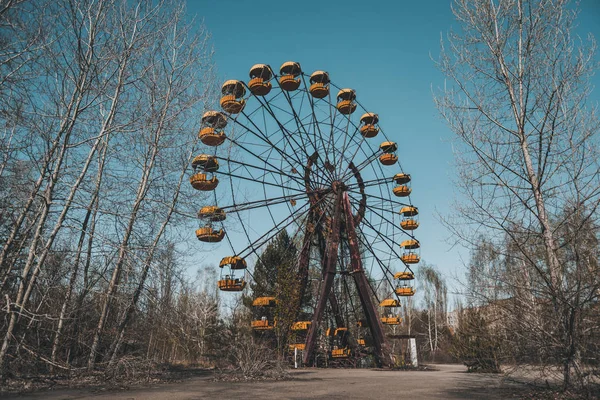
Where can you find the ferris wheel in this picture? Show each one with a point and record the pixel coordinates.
(293, 150)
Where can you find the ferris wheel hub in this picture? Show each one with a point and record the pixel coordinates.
(338, 186)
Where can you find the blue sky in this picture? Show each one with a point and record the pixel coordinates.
(383, 50)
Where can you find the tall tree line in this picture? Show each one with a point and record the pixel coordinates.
(99, 104)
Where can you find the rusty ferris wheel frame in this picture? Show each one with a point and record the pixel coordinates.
(290, 139)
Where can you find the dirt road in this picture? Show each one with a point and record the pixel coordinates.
(446, 382)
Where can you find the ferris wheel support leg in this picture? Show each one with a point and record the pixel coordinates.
(333, 303)
(329, 262)
(362, 285)
(323, 297)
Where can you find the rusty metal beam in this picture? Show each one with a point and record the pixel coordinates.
(362, 285)
(333, 303)
(329, 263)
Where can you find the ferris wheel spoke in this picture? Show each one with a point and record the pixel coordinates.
(369, 158)
(323, 170)
(318, 172)
(313, 118)
(332, 132)
(259, 157)
(376, 241)
(324, 147)
(335, 126)
(292, 242)
(299, 123)
(381, 264)
(359, 144)
(262, 136)
(301, 126)
(269, 153)
(343, 148)
(266, 170)
(251, 179)
(289, 135)
(272, 98)
(365, 163)
(238, 207)
(377, 231)
(383, 199)
(358, 148)
(241, 223)
(371, 235)
(387, 210)
(379, 239)
(272, 106)
(391, 222)
(255, 245)
(384, 239)
(278, 227)
(372, 182)
(266, 195)
(292, 132)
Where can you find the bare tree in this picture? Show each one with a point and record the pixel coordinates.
(527, 148)
(99, 104)
(435, 294)
(169, 92)
(75, 103)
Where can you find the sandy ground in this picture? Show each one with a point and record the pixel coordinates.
(446, 382)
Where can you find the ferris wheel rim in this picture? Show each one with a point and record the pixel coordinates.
(304, 75)
(344, 144)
